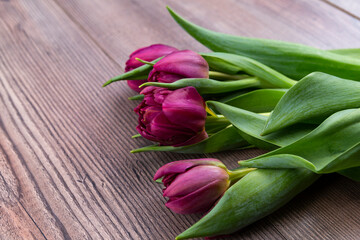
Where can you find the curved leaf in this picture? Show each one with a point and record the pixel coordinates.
(208, 86)
(222, 76)
(226, 139)
(136, 97)
(331, 147)
(347, 160)
(268, 76)
(253, 197)
(350, 52)
(139, 73)
(215, 124)
(352, 173)
(251, 124)
(293, 60)
(314, 98)
(258, 101)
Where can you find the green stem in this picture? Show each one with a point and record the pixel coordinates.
(266, 114)
(217, 119)
(236, 175)
(136, 136)
(125, 76)
(215, 124)
(139, 73)
(145, 62)
(224, 76)
(136, 97)
(209, 86)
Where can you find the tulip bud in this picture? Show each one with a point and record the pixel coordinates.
(172, 118)
(178, 65)
(149, 53)
(193, 186)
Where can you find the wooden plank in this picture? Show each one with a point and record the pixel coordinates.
(312, 23)
(15, 223)
(115, 25)
(66, 140)
(351, 7)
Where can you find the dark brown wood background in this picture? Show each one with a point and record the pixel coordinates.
(65, 167)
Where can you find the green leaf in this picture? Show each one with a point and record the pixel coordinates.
(136, 136)
(139, 73)
(263, 191)
(265, 77)
(313, 99)
(352, 173)
(224, 76)
(258, 101)
(208, 86)
(293, 60)
(350, 52)
(331, 147)
(268, 77)
(251, 124)
(226, 139)
(253, 197)
(136, 97)
(215, 124)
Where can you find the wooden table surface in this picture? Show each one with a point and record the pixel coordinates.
(65, 167)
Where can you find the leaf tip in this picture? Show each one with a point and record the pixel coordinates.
(180, 237)
(269, 128)
(169, 9)
(107, 83)
(245, 163)
(267, 131)
(145, 84)
(173, 13)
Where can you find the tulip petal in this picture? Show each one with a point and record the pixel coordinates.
(155, 95)
(168, 133)
(185, 107)
(200, 200)
(163, 77)
(134, 84)
(142, 131)
(194, 179)
(185, 63)
(195, 139)
(182, 165)
(148, 53)
(150, 114)
(167, 180)
(174, 122)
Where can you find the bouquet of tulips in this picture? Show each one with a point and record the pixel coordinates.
(300, 103)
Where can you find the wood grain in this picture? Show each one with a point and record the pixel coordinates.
(67, 139)
(314, 23)
(65, 167)
(351, 7)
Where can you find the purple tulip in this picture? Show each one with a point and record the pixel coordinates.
(193, 186)
(175, 118)
(178, 65)
(149, 54)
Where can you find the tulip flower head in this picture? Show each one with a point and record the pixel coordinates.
(193, 186)
(172, 118)
(149, 53)
(178, 65)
